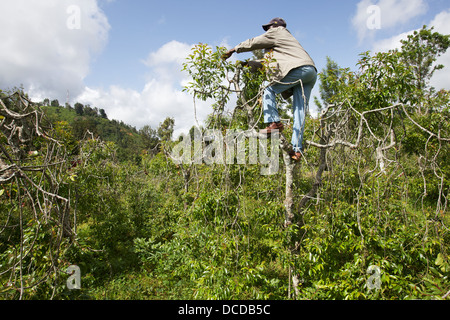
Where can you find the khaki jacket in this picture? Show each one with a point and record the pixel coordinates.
(287, 51)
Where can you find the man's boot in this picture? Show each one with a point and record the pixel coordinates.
(273, 126)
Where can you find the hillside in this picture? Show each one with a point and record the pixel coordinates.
(131, 143)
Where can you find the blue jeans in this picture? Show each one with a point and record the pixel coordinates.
(308, 75)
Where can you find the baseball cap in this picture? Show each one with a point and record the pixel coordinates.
(276, 21)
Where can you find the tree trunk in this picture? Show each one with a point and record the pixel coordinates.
(289, 201)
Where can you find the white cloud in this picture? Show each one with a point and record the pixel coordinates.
(47, 45)
(391, 43)
(165, 64)
(161, 97)
(171, 52)
(391, 14)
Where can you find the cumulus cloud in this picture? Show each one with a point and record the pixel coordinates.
(166, 63)
(47, 45)
(161, 97)
(391, 43)
(391, 13)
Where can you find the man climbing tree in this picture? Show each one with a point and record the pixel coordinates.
(293, 73)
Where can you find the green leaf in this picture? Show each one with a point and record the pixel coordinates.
(439, 260)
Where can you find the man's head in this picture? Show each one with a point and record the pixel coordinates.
(275, 22)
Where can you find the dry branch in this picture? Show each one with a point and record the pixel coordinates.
(35, 179)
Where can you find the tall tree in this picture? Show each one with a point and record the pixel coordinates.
(79, 109)
(165, 129)
(420, 51)
(55, 103)
(103, 114)
(328, 83)
(149, 137)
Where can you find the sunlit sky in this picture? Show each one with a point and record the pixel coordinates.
(125, 56)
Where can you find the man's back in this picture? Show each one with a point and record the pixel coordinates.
(287, 51)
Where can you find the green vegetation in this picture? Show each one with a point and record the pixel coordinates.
(79, 189)
(83, 119)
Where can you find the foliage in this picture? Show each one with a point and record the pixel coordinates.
(208, 72)
(421, 50)
(329, 83)
(131, 142)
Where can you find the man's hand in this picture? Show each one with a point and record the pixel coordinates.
(227, 55)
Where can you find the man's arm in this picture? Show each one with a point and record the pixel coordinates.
(264, 41)
(227, 55)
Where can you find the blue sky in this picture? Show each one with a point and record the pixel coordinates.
(140, 26)
(125, 56)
